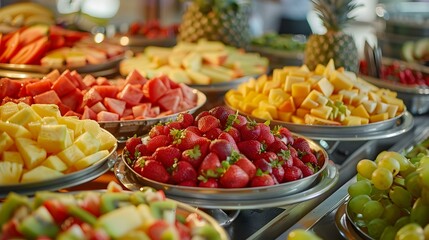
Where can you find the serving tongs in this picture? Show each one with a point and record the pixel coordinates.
(373, 58)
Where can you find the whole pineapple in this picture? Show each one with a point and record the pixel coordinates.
(335, 44)
(217, 20)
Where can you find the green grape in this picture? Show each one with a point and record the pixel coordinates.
(424, 177)
(376, 227)
(389, 233)
(372, 209)
(362, 187)
(425, 196)
(377, 194)
(420, 213)
(382, 178)
(360, 177)
(401, 197)
(366, 167)
(402, 221)
(424, 161)
(426, 231)
(391, 213)
(300, 234)
(398, 180)
(411, 231)
(404, 163)
(412, 183)
(390, 163)
(356, 203)
(408, 171)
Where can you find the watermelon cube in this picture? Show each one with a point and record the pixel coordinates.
(88, 113)
(47, 97)
(107, 116)
(73, 99)
(135, 77)
(131, 95)
(98, 107)
(89, 80)
(9, 88)
(141, 110)
(63, 85)
(115, 105)
(106, 90)
(38, 87)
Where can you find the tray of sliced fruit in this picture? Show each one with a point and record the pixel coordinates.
(110, 214)
(410, 81)
(209, 65)
(219, 156)
(36, 50)
(124, 107)
(326, 103)
(42, 150)
(389, 198)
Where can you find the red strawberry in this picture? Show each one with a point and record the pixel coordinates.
(234, 177)
(210, 165)
(221, 113)
(213, 133)
(247, 165)
(193, 156)
(131, 144)
(278, 171)
(195, 130)
(155, 171)
(293, 152)
(234, 133)
(239, 121)
(309, 158)
(157, 130)
(300, 144)
(228, 138)
(268, 156)
(167, 155)
(183, 171)
(250, 131)
(235, 120)
(188, 183)
(306, 170)
(207, 123)
(285, 158)
(200, 115)
(263, 165)
(277, 146)
(297, 162)
(250, 148)
(185, 119)
(261, 180)
(139, 163)
(156, 142)
(265, 135)
(141, 150)
(284, 134)
(222, 148)
(292, 173)
(209, 183)
(184, 139)
(173, 125)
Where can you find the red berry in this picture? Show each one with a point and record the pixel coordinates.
(185, 119)
(234, 177)
(207, 123)
(292, 173)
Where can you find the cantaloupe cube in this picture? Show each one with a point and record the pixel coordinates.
(300, 89)
(360, 111)
(341, 82)
(301, 112)
(5, 142)
(324, 86)
(40, 173)
(12, 156)
(87, 143)
(54, 162)
(321, 111)
(46, 110)
(379, 117)
(348, 96)
(296, 119)
(7, 110)
(284, 116)
(336, 97)
(24, 116)
(313, 120)
(288, 105)
(91, 159)
(277, 96)
(71, 155)
(291, 80)
(270, 85)
(54, 138)
(32, 154)
(299, 73)
(259, 113)
(298, 101)
(352, 121)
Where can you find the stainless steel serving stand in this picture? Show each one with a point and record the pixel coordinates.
(322, 218)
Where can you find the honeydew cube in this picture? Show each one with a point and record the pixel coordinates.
(381, 108)
(360, 98)
(180, 76)
(350, 75)
(5, 142)
(392, 110)
(374, 97)
(31, 153)
(300, 89)
(71, 155)
(24, 116)
(40, 173)
(348, 96)
(277, 96)
(259, 113)
(320, 69)
(313, 120)
(270, 85)
(393, 100)
(337, 97)
(301, 112)
(341, 82)
(54, 138)
(7, 110)
(296, 119)
(12, 156)
(91, 126)
(284, 116)
(309, 103)
(54, 162)
(313, 79)
(87, 143)
(271, 109)
(91, 159)
(321, 111)
(352, 121)
(46, 110)
(369, 106)
(291, 80)
(279, 76)
(192, 61)
(379, 117)
(288, 105)
(324, 86)
(360, 111)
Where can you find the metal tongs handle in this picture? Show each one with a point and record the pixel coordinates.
(373, 58)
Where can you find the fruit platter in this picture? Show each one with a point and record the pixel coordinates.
(410, 81)
(326, 103)
(42, 150)
(124, 107)
(109, 214)
(388, 198)
(194, 161)
(36, 50)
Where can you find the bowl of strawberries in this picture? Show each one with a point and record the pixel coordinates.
(220, 155)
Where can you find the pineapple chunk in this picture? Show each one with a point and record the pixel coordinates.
(279, 76)
(313, 120)
(90, 126)
(291, 80)
(394, 101)
(71, 155)
(7, 110)
(369, 106)
(271, 109)
(352, 121)
(54, 138)
(107, 140)
(46, 110)
(277, 96)
(54, 162)
(297, 120)
(32, 154)
(5, 142)
(40, 173)
(284, 116)
(87, 143)
(12, 156)
(14, 130)
(73, 123)
(301, 112)
(259, 113)
(10, 172)
(91, 159)
(24, 116)
(341, 82)
(269, 85)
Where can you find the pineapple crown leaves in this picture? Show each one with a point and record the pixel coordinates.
(335, 14)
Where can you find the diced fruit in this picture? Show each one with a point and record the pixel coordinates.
(55, 163)
(32, 154)
(10, 172)
(40, 173)
(54, 138)
(90, 159)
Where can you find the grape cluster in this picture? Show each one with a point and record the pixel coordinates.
(390, 199)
